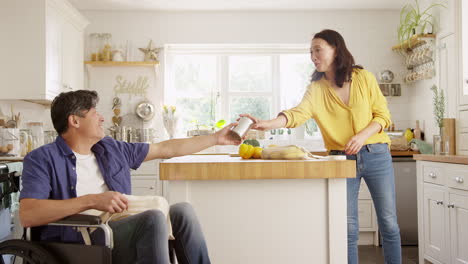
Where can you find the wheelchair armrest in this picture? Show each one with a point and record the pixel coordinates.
(82, 220)
(79, 219)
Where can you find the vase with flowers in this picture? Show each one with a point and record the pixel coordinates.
(439, 111)
(170, 120)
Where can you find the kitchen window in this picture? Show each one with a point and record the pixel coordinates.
(210, 82)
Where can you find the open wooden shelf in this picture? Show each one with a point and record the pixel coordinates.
(121, 63)
(413, 42)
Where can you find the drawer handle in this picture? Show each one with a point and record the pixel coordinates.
(440, 202)
(152, 188)
(459, 179)
(450, 205)
(432, 175)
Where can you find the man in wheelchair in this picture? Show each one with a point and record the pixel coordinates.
(85, 170)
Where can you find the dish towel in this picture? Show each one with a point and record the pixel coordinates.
(136, 205)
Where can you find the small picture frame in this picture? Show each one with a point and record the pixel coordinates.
(385, 88)
(395, 89)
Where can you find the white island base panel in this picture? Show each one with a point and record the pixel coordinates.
(289, 221)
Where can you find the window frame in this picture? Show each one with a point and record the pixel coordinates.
(223, 51)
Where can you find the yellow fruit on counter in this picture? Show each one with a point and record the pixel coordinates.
(408, 135)
(246, 151)
(257, 153)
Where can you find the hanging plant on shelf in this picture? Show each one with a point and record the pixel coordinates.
(414, 21)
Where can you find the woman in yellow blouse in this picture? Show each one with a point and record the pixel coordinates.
(348, 106)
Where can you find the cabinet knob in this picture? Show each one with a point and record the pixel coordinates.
(439, 202)
(450, 205)
(152, 188)
(432, 175)
(459, 179)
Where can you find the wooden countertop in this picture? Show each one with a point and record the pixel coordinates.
(407, 153)
(224, 167)
(11, 159)
(458, 159)
(393, 152)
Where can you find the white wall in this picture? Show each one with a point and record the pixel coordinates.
(370, 34)
(419, 93)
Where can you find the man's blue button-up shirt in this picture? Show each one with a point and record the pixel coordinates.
(49, 173)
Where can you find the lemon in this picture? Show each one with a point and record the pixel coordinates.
(408, 135)
(257, 153)
(246, 151)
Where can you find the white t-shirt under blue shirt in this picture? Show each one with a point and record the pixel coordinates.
(89, 179)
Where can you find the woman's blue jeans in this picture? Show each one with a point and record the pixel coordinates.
(374, 165)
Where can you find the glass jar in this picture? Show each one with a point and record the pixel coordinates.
(37, 133)
(49, 136)
(10, 142)
(436, 144)
(93, 48)
(445, 145)
(106, 51)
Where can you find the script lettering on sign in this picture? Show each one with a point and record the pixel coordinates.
(137, 87)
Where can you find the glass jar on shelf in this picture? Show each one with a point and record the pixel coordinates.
(94, 47)
(50, 136)
(106, 52)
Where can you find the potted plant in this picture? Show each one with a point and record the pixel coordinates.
(414, 21)
(439, 112)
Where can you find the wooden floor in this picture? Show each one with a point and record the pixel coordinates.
(374, 255)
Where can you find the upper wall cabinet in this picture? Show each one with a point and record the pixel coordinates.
(42, 49)
(463, 18)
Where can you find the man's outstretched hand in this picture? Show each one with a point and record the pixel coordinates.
(226, 137)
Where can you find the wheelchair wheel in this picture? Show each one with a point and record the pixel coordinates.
(29, 252)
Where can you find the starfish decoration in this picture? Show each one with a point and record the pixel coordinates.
(151, 54)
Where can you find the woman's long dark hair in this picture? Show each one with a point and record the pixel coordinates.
(344, 60)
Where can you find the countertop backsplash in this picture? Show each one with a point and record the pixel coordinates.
(30, 112)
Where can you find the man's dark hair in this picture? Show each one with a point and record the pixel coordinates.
(344, 60)
(71, 103)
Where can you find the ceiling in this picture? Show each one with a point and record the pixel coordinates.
(236, 4)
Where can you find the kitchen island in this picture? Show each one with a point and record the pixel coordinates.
(265, 211)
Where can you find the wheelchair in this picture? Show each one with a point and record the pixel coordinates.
(29, 250)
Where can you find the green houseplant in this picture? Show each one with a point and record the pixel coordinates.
(439, 112)
(413, 20)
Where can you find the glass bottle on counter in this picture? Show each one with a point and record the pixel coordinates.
(436, 143)
(417, 131)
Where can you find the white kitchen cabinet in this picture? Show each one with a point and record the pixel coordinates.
(145, 180)
(448, 72)
(462, 131)
(43, 54)
(72, 59)
(442, 212)
(435, 244)
(459, 228)
(463, 29)
(368, 227)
